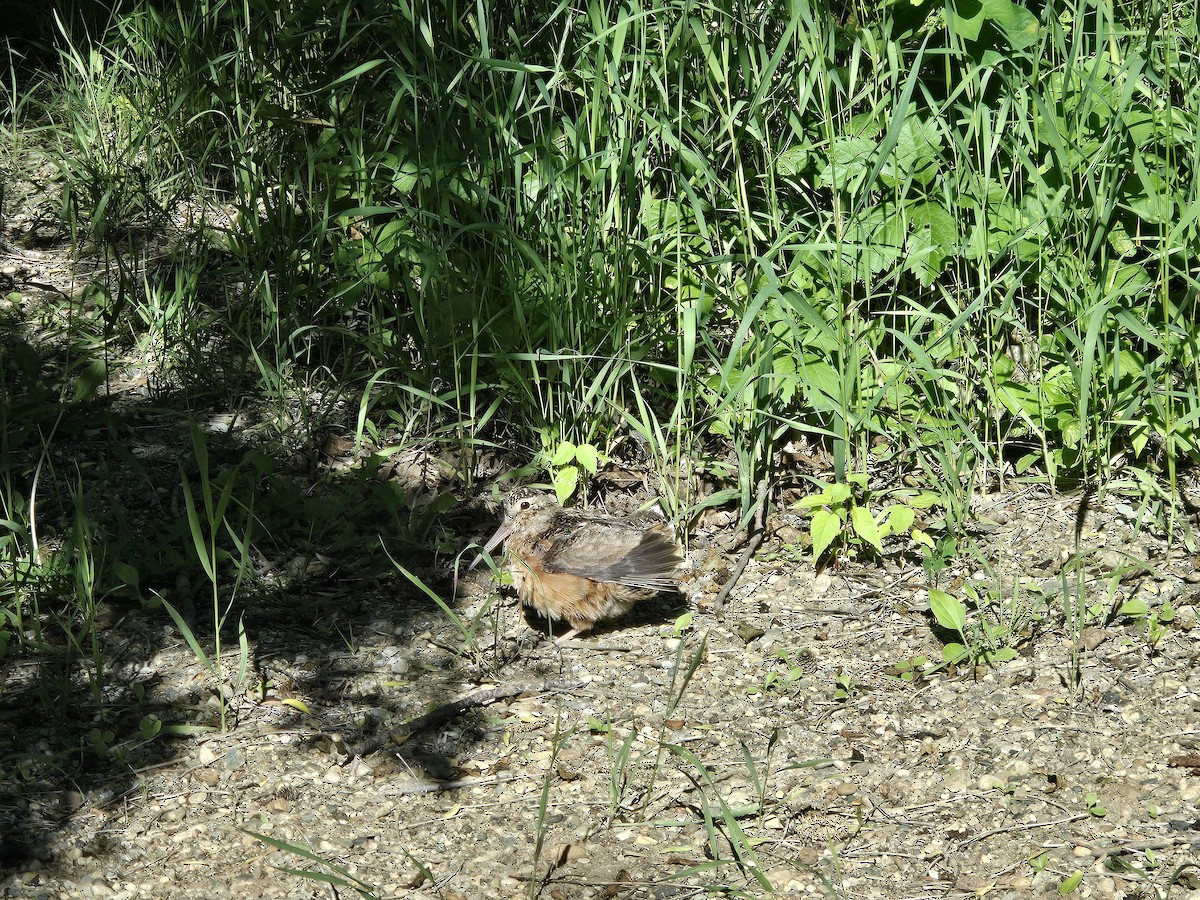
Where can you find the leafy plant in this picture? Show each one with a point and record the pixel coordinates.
(1154, 623)
(209, 524)
(796, 663)
(841, 518)
(910, 670)
(984, 639)
(1069, 884)
(566, 462)
(845, 686)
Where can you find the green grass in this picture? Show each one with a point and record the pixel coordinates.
(892, 231)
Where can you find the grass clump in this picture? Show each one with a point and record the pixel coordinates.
(886, 230)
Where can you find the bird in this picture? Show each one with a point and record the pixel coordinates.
(582, 567)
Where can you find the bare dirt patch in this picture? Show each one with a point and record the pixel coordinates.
(795, 755)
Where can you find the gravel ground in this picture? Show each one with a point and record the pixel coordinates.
(779, 750)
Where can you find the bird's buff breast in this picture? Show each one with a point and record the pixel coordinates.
(578, 601)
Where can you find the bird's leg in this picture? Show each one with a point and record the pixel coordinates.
(575, 631)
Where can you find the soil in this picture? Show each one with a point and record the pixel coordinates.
(808, 741)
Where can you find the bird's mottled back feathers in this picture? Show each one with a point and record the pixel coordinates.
(618, 552)
(583, 567)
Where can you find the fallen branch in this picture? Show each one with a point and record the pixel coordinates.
(756, 534)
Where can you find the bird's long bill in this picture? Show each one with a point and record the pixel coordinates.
(492, 543)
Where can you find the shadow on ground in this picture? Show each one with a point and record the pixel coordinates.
(96, 489)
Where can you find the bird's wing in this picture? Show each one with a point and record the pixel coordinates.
(618, 553)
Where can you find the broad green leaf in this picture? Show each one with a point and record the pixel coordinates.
(943, 229)
(1004, 654)
(821, 382)
(865, 527)
(792, 161)
(922, 539)
(811, 501)
(824, 529)
(564, 454)
(847, 164)
(954, 652)
(566, 480)
(1026, 462)
(658, 216)
(901, 518)
(1072, 431)
(1139, 438)
(1070, 883)
(1135, 608)
(127, 574)
(1119, 240)
(1019, 25)
(837, 493)
(948, 610)
(965, 19)
(91, 377)
(924, 500)
(589, 457)
(683, 623)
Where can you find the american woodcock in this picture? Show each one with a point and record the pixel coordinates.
(583, 567)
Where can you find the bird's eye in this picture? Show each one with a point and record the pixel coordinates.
(525, 504)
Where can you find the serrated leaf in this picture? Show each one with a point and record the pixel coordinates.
(865, 527)
(948, 610)
(824, 528)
